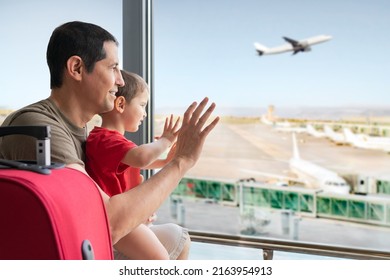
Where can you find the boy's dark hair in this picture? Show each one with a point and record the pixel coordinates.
(75, 38)
(133, 84)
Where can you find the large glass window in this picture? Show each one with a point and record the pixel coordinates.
(330, 103)
(245, 182)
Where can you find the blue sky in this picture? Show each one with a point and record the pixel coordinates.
(208, 48)
(25, 28)
(205, 47)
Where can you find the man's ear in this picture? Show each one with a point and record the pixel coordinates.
(75, 67)
(120, 104)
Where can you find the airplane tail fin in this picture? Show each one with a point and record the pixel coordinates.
(261, 49)
(310, 129)
(329, 132)
(349, 136)
(295, 147)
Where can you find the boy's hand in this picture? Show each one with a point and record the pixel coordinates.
(170, 129)
(171, 153)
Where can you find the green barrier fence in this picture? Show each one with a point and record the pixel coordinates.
(305, 202)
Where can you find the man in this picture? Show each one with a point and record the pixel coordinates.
(84, 77)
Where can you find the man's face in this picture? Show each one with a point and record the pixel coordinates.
(102, 83)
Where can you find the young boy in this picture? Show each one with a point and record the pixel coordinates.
(114, 163)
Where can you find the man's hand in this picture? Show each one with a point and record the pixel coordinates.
(192, 133)
(132, 208)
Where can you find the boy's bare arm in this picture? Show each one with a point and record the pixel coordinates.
(160, 163)
(146, 155)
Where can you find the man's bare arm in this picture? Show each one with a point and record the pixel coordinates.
(128, 210)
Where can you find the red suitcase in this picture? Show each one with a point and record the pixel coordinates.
(51, 214)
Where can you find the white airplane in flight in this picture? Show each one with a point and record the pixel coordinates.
(293, 45)
(315, 176)
(367, 142)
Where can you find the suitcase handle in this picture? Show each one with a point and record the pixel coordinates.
(42, 135)
(39, 132)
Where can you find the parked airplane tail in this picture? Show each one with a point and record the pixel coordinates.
(313, 132)
(336, 137)
(349, 136)
(367, 142)
(315, 176)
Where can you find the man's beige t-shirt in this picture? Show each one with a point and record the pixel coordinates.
(67, 140)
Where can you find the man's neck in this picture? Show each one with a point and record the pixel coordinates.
(70, 108)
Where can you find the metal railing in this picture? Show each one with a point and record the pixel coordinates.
(270, 245)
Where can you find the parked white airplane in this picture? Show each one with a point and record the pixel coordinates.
(293, 45)
(286, 126)
(315, 176)
(367, 142)
(314, 132)
(336, 137)
(265, 120)
(296, 129)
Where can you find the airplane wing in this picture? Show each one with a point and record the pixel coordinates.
(294, 43)
(297, 46)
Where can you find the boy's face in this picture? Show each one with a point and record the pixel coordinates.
(135, 111)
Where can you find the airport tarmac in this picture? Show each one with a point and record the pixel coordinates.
(236, 151)
(253, 150)
(213, 217)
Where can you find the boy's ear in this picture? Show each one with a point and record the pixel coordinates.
(75, 67)
(120, 104)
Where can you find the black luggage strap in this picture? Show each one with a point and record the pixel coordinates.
(25, 166)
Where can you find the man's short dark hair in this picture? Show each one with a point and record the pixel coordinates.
(75, 38)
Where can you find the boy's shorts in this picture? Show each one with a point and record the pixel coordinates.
(173, 237)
